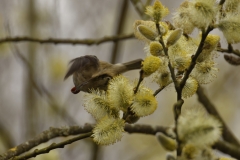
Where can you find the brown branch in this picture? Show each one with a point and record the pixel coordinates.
(221, 2)
(44, 137)
(227, 134)
(160, 89)
(51, 147)
(75, 130)
(139, 81)
(229, 50)
(70, 131)
(68, 41)
(145, 129)
(227, 148)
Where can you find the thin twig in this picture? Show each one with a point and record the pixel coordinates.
(139, 81)
(227, 134)
(68, 41)
(160, 89)
(236, 52)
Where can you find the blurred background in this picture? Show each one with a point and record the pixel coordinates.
(34, 96)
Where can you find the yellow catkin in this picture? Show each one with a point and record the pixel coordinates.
(167, 143)
(120, 92)
(144, 103)
(108, 131)
(174, 37)
(150, 65)
(147, 32)
(157, 11)
(156, 48)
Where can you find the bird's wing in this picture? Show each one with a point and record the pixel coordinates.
(81, 63)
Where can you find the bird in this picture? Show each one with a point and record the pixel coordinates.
(91, 73)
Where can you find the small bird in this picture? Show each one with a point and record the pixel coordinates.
(91, 73)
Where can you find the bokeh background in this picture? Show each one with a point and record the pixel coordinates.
(34, 96)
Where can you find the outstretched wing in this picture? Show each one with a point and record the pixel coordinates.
(81, 63)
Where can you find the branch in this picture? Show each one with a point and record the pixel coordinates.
(70, 131)
(221, 2)
(160, 89)
(44, 137)
(193, 62)
(51, 147)
(68, 41)
(229, 50)
(227, 134)
(227, 148)
(86, 130)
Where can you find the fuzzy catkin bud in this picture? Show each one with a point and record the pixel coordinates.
(157, 11)
(174, 37)
(232, 6)
(147, 32)
(167, 143)
(211, 42)
(203, 13)
(108, 131)
(204, 72)
(150, 65)
(190, 87)
(97, 104)
(203, 129)
(120, 92)
(144, 103)
(230, 26)
(156, 48)
(181, 18)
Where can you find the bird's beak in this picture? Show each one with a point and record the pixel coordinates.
(74, 90)
(77, 89)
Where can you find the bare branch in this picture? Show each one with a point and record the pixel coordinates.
(68, 41)
(70, 131)
(86, 130)
(227, 148)
(229, 50)
(52, 146)
(44, 137)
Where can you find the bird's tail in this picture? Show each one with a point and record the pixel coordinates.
(135, 64)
